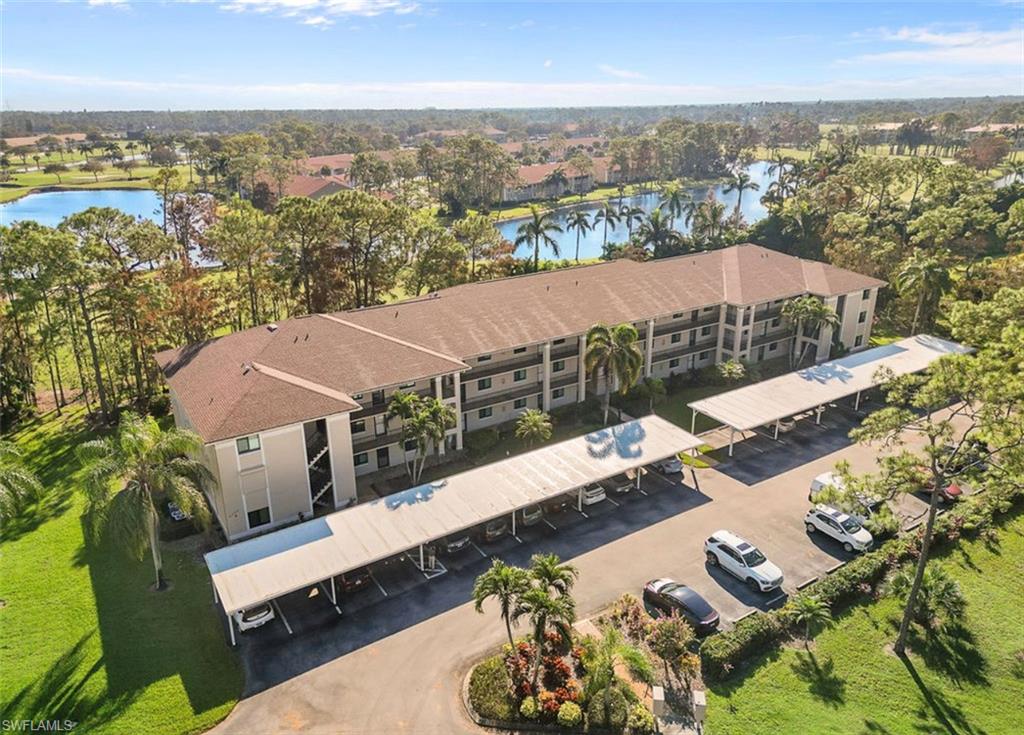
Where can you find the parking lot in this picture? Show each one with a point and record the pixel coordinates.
(404, 632)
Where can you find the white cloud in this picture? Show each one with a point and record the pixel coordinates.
(930, 46)
(109, 3)
(547, 63)
(321, 11)
(619, 73)
(35, 89)
(522, 25)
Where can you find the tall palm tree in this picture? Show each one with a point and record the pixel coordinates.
(537, 230)
(676, 201)
(803, 312)
(17, 483)
(558, 180)
(146, 464)
(928, 275)
(610, 216)
(613, 354)
(740, 183)
(656, 232)
(544, 611)
(578, 220)
(533, 425)
(506, 584)
(631, 216)
(708, 220)
(809, 612)
(552, 575)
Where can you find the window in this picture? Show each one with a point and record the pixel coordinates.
(557, 393)
(383, 457)
(862, 317)
(694, 316)
(519, 375)
(673, 363)
(867, 294)
(559, 341)
(483, 384)
(357, 396)
(703, 356)
(679, 315)
(484, 413)
(410, 445)
(776, 322)
(773, 346)
(519, 403)
(519, 350)
(248, 444)
(483, 358)
(378, 398)
(859, 341)
(705, 331)
(693, 339)
(361, 458)
(358, 427)
(558, 366)
(709, 308)
(259, 517)
(406, 386)
(677, 337)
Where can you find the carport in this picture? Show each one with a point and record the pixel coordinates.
(267, 567)
(812, 389)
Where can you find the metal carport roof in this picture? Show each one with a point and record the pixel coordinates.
(766, 402)
(266, 567)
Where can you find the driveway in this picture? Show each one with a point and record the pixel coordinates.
(395, 663)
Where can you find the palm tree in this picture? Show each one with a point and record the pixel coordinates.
(630, 215)
(803, 312)
(608, 653)
(939, 596)
(653, 389)
(578, 220)
(17, 483)
(504, 583)
(740, 183)
(809, 612)
(676, 201)
(610, 216)
(533, 425)
(708, 219)
(656, 232)
(543, 611)
(537, 230)
(145, 463)
(552, 575)
(558, 180)
(612, 354)
(929, 276)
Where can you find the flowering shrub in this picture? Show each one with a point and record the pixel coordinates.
(556, 672)
(528, 709)
(548, 702)
(518, 666)
(629, 616)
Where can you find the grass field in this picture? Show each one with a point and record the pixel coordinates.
(968, 681)
(24, 184)
(82, 636)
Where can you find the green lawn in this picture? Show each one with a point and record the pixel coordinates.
(972, 682)
(112, 178)
(81, 635)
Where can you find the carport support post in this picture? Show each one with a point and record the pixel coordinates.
(579, 500)
(732, 431)
(231, 627)
(776, 429)
(513, 523)
(334, 593)
(693, 420)
(421, 557)
(856, 402)
(817, 414)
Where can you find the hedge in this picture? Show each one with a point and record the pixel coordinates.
(489, 690)
(721, 653)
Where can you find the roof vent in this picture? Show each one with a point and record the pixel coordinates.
(246, 367)
(271, 327)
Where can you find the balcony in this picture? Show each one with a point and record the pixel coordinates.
(494, 397)
(765, 339)
(561, 352)
(685, 326)
(369, 443)
(683, 350)
(505, 366)
(767, 314)
(564, 380)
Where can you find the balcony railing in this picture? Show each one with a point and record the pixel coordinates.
(706, 320)
(683, 350)
(496, 397)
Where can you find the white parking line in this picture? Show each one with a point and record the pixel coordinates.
(582, 514)
(379, 585)
(517, 538)
(612, 502)
(284, 620)
(772, 601)
(478, 549)
(642, 492)
(551, 525)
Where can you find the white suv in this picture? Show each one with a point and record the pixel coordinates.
(843, 528)
(742, 560)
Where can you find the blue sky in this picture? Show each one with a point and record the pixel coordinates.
(157, 54)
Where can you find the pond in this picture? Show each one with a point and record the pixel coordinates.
(50, 207)
(591, 242)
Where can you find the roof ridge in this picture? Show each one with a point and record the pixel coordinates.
(304, 383)
(396, 340)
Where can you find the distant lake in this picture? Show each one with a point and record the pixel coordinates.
(50, 207)
(591, 242)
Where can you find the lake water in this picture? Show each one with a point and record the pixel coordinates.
(591, 242)
(50, 207)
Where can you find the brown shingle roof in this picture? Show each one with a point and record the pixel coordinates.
(322, 356)
(304, 368)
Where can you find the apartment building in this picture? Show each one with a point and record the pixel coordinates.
(292, 414)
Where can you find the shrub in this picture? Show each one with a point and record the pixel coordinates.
(481, 441)
(720, 653)
(844, 584)
(159, 405)
(570, 715)
(528, 709)
(489, 690)
(556, 672)
(629, 616)
(641, 720)
(607, 708)
(548, 702)
(517, 668)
